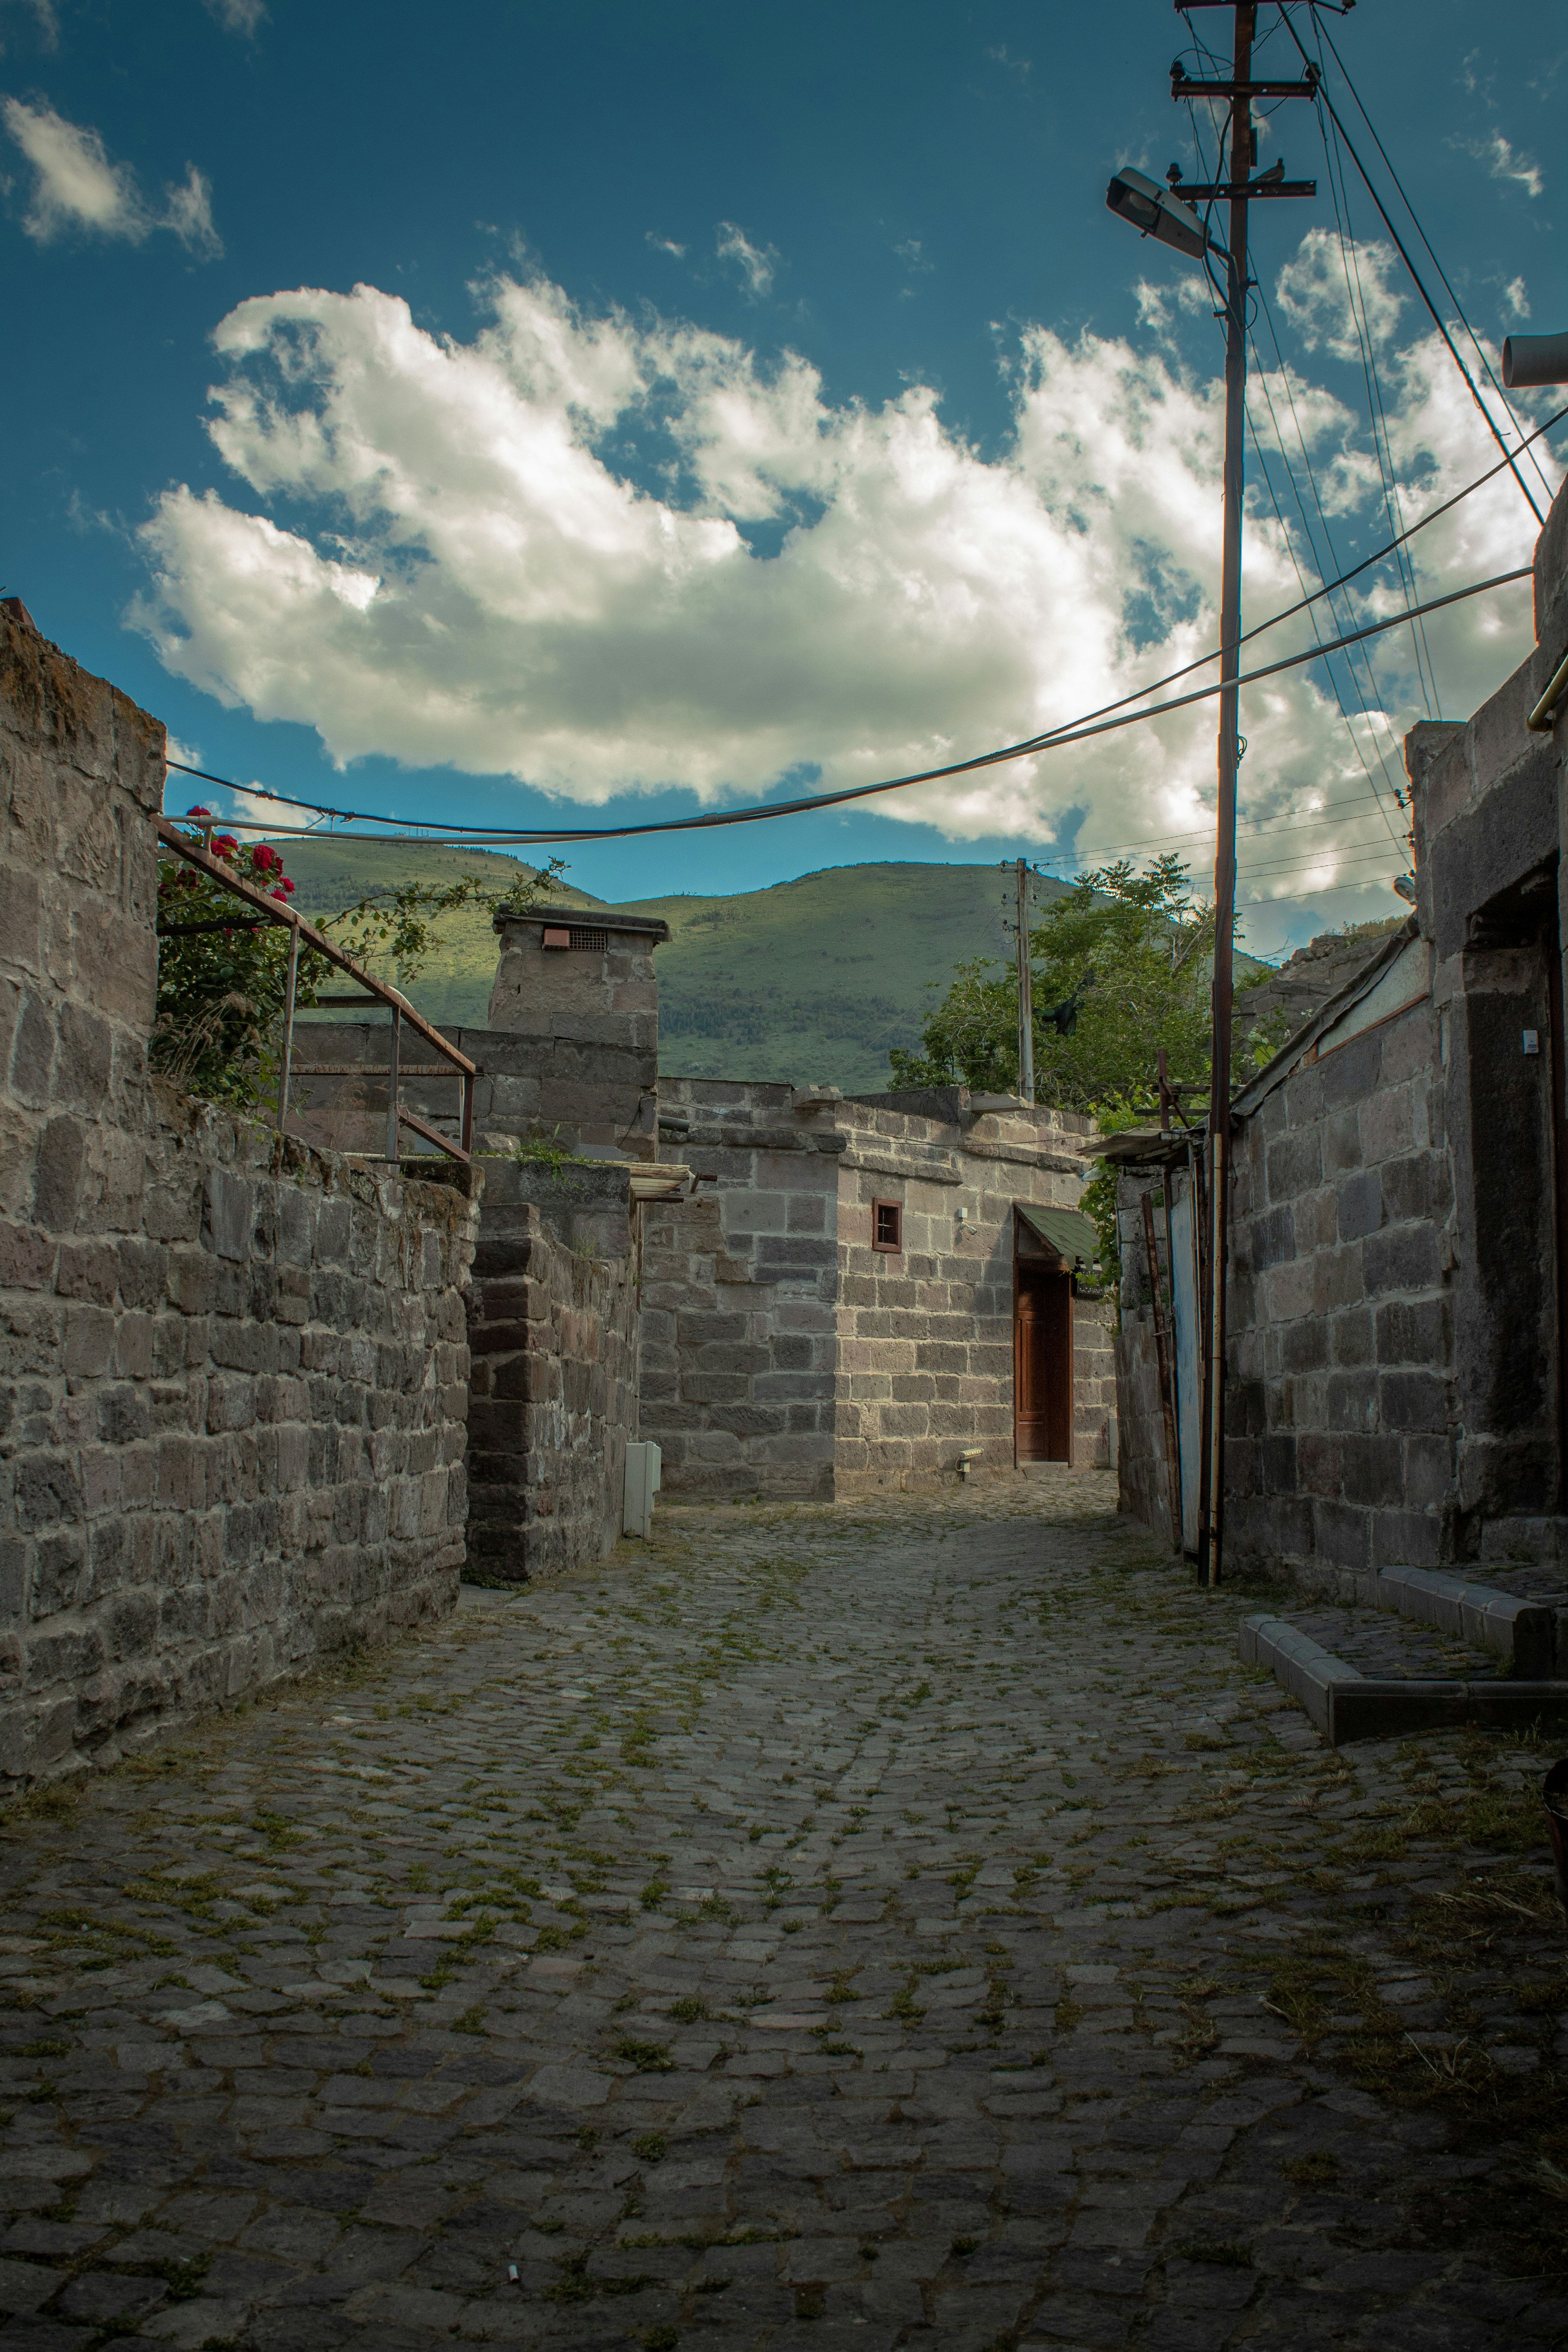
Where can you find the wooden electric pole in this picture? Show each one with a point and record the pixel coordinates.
(1239, 189)
(1025, 990)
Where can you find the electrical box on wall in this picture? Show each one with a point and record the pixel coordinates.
(643, 1467)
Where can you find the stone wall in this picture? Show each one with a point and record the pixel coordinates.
(232, 1396)
(925, 1336)
(571, 1047)
(739, 1291)
(781, 1354)
(1339, 1406)
(1396, 1378)
(553, 1327)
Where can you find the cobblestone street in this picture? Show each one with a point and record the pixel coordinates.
(900, 1923)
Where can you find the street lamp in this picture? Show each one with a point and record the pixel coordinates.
(1156, 213)
(1531, 360)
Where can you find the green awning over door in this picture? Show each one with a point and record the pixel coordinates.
(1065, 1231)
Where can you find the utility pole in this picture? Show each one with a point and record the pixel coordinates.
(1025, 990)
(1143, 202)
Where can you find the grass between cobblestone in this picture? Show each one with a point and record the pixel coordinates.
(904, 1922)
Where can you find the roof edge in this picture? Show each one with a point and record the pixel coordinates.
(1275, 1072)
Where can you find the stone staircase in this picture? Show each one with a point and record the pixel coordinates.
(1421, 1650)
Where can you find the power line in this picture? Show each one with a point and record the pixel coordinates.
(1290, 820)
(1324, 35)
(1155, 687)
(1328, 536)
(1074, 733)
(1438, 319)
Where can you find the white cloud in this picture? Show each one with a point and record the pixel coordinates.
(189, 212)
(758, 264)
(1516, 298)
(1332, 294)
(78, 187)
(242, 16)
(469, 575)
(667, 245)
(1504, 163)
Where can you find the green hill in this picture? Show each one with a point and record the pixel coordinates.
(816, 978)
(811, 979)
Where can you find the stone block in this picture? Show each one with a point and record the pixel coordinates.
(229, 1215)
(1402, 1258)
(1361, 1209)
(1413, 1400)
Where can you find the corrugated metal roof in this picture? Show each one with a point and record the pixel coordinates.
(1067, 1231)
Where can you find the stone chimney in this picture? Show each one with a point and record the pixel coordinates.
(579, 984)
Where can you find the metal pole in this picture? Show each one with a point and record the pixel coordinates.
(1225, 829)
(1025, 990)
(289, 987)
(392, 1150)
(1164, 1364)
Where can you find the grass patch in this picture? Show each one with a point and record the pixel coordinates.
(647, 2057)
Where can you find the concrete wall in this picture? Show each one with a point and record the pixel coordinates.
(233, 1382)
(553, 1329)
(782, 1355)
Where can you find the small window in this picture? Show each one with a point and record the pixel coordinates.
(553, 937)
(887, 1225)
(593, 941)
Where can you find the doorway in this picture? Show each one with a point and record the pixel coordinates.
(1042, 1363)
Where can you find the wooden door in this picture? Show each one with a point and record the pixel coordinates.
(1042, 1364)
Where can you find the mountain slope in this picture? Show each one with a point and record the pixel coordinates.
(810, 979)
(816, 978)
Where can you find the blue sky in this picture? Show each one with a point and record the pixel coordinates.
(738, 401)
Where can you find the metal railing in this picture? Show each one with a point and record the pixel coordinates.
(452, 1064)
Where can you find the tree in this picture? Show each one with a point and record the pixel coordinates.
(222, 970)
(1122, 968)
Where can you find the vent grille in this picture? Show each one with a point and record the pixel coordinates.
(592, 940)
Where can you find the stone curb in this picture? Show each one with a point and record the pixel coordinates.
(1346, 1705)
(1525, 1633)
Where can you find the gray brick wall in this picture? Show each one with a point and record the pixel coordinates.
(232, 1370)
(739, 1291)
(1340, 1404)
(781, 1354)
(553, 1330)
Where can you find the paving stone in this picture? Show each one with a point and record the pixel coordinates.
(909, 1912)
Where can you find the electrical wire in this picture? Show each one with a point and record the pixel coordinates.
(1260, 375)
(1438, 319)
(1301, 820)
(1039, 742)
(1355, 292)
(1075, 732)
(1324, 35)
(1285, 375)
(1356, 744)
